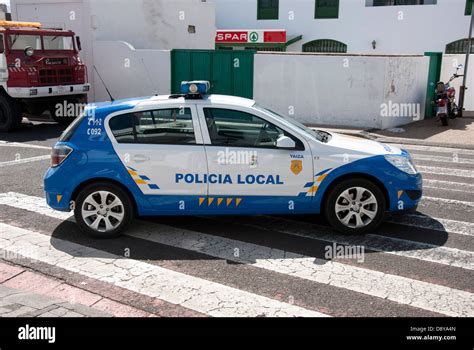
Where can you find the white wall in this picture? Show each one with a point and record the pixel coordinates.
(128, 72)
(155, 24)
(145, 24)
(449, 64)
(340, 90)
(423, 27)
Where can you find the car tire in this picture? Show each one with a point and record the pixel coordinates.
(10, 114)
(103, 210)
(344, 215)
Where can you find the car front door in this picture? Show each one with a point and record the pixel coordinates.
(247, 172)
(161, 148)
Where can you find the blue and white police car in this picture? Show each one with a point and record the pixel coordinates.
(199, 154)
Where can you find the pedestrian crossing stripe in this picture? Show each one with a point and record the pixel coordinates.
(415, 293)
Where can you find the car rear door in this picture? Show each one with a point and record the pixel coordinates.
(158, 146)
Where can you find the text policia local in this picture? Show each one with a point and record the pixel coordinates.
(226, 179)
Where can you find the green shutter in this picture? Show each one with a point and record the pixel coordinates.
(325, 45)
(219, 67)
(402, 2)
(267, 9)
(459, 47)
(327, 9)
(468, 10)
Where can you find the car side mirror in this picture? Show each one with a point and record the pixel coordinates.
(78, 42)
(285, 142)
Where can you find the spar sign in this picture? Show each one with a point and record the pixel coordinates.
(251, 36)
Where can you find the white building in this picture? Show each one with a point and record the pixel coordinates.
(125, 39)
(354, 26)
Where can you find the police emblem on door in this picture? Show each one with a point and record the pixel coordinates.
(296, 166)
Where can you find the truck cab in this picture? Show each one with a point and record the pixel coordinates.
(39, 68)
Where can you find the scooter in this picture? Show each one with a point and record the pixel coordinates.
(445, 99)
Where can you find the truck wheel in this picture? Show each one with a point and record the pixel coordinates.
(10, 115)
(355, 206)
(103, 210)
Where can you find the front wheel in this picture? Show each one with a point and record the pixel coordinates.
(103, 210)
(10, 114)
(355, 206)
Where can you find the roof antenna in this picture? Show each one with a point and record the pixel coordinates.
(102, 80)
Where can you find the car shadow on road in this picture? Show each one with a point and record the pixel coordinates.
(34, 132)
(295, 237)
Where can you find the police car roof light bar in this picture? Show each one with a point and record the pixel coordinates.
(195, 89)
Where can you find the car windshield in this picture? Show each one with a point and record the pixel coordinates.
(319, 135)
(58, 42)
(21, 42)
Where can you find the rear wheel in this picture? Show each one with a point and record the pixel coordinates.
(10, 115)
(103, 210)
(355, 206)
(444, 120)
(63, 120)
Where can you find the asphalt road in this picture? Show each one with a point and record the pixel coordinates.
(417, 264)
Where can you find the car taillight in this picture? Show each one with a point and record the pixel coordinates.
(59, 153)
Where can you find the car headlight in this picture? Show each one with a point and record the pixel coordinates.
(402, 163)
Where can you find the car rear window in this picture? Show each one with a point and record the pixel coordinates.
(71, 129)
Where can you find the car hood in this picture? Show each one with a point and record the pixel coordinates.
(358, 144)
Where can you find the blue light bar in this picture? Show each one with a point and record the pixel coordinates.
(198, 87)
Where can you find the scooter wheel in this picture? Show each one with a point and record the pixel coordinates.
(444, 121)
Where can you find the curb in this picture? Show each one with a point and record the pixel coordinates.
(405, 141)
(368, 134)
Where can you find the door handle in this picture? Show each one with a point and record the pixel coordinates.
(140, 158)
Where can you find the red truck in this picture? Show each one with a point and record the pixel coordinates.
(40, 69)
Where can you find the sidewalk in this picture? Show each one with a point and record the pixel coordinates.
(24, 293)
(428, 132)
(16, 303)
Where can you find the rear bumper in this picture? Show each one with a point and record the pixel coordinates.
(57, 192)
(48, 91)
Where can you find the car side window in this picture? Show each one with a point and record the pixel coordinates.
(122, 128)
(235, 128)
(165, 126)
(173, 126)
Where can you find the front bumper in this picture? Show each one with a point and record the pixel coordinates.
(48, 91)
(405, 194)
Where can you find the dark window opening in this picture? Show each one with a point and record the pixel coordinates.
(267, 9)
(327, 9)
